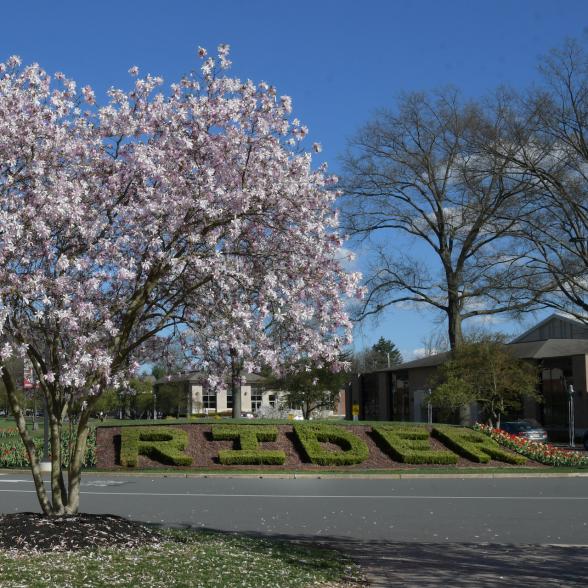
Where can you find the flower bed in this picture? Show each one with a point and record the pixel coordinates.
(541, 452)
(13, 453)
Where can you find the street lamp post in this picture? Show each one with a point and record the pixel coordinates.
(571, 423)
(429, 407)
(154, 406)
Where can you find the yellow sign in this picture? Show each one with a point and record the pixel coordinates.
(355, 409)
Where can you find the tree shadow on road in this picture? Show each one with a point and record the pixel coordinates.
(388, 563)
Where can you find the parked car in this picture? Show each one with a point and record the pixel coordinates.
(527, 429)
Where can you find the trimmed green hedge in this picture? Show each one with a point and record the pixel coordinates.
(248, 438)
(474, 446)
(162, 444)
(354, 450)
(410, 444)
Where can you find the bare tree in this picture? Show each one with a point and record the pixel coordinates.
(419, 172)
(434, 342)
(548, 145)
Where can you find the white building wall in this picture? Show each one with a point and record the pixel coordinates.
(221, 401)
(196, 404)
(245, 398)
(197, 398)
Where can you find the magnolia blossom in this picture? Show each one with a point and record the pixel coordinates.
(162, 218)
(178, 215)
(89, 95)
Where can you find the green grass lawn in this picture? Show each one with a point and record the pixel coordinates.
(186, 559)
(9, 423)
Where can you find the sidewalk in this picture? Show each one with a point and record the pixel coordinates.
(442, 565)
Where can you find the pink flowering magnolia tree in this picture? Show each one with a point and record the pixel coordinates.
(124, 226)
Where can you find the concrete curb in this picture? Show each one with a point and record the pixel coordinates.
(320, 476)
(324, 476)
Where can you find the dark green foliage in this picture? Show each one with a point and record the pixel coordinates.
(310, 387)
(381, 355)
(247, 438)
(162, 444)
(484, 371)
(172, 396)
(384, 354)
(474, 446)
(354, 450)
(408, 444)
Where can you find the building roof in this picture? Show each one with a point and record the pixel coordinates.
(549, 348)
(428, 361)
(523, 350)
(555, 326)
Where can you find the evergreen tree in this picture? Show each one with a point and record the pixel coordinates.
(385, 353)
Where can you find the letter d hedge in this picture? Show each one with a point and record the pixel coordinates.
(353, 449)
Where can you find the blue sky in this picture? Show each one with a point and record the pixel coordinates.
(338, 59)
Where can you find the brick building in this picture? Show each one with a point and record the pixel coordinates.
(558, 345)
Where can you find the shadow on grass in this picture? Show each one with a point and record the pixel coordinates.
(388, 563)
(303, 555)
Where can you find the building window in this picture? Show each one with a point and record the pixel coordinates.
(272, 400)
(255, 399)
(209, 399)
(229, 399)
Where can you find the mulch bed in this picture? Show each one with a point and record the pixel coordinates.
(28, 531)
(204, 452)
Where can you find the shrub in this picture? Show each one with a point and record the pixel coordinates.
(354, 450)
(244, 457)
(473, 445)
(162, 444)
(411, 445)
(247, 438)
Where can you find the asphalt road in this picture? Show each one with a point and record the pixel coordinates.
(536, 511)
(404, 533)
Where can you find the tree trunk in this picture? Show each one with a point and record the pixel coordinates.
(236, 384)
(21, 425)
(454, 323)
(58, 493)
(76, 463)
